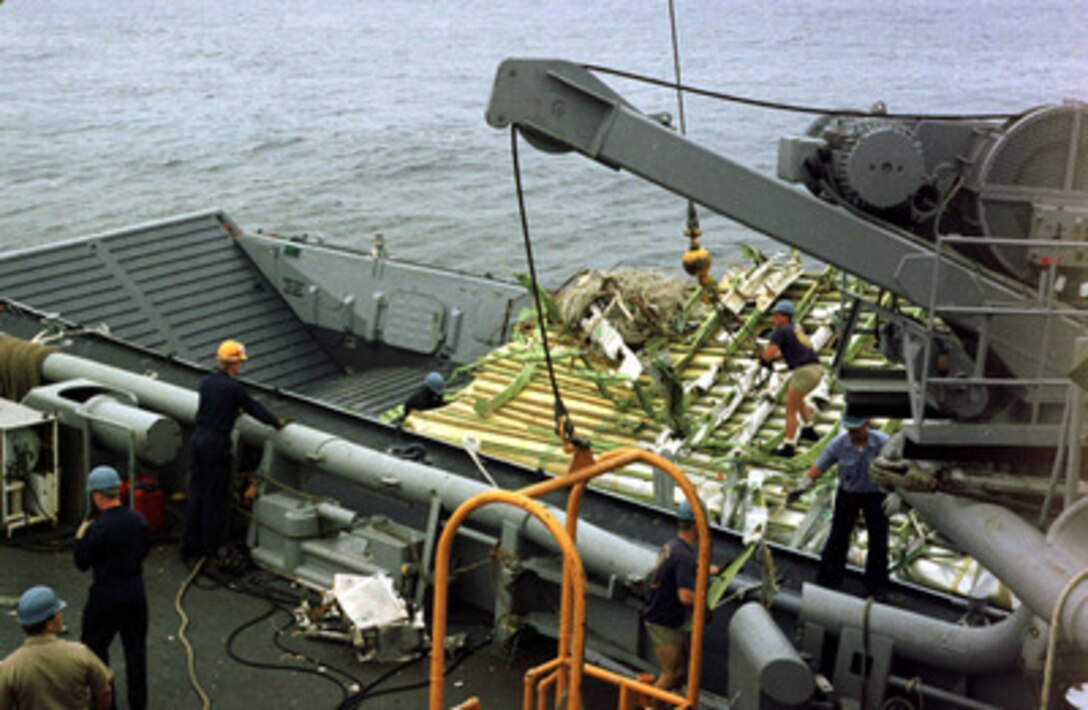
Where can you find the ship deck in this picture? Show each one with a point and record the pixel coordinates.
(247, 655)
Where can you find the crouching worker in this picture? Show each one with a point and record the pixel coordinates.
(46, 672)
(430, 395)
(670, 597)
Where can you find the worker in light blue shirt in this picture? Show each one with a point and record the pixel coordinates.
(853, 451)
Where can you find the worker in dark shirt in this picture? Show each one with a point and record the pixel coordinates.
(670, 596)
(222, 399)
(428, 396)
(791, 344)
(114, 545)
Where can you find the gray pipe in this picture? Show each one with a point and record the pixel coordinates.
(602, 552)
(156, 438)
(763, 661)
(112, 417)
(1035, 570)
(177, 402)
(964, 649)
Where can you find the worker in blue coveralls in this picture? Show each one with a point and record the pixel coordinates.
(670, 596)
(854, 450)
(114, 545)
(222, 399)
(790, 343)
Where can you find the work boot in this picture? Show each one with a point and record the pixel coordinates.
(808, 433)
(786, 450)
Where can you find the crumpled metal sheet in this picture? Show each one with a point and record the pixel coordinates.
(368, 601)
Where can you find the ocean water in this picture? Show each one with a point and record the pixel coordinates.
(351, 118)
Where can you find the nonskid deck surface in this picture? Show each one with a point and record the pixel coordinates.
(180, 287)
(260, 631)
(372, 392)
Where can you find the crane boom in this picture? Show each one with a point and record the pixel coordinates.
(560, 106)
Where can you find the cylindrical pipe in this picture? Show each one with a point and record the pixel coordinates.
(177, 402)
(156, 438)
(760, 652)
(1015, 552)
(602, 552)
(964, 649)
(336, 514)
(114, 419)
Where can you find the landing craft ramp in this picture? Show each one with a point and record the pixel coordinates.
(179, 286)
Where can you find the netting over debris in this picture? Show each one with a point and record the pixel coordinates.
(638, 304)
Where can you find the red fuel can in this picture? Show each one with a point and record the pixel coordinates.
(148, 500)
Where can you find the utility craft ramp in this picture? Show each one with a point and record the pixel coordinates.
(178, 286)
(352, 329)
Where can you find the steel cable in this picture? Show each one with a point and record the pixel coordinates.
(563, 426)
(794, 108)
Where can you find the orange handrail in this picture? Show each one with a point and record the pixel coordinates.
(531, 677)
(572, 569)
(618, 459)
(568, 668)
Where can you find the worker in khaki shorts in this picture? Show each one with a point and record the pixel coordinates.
(670, 596)
(791, 344)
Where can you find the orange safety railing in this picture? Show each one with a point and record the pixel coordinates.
(565, 672)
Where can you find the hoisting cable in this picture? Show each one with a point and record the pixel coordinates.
(795, 108)
(697, 260)
(676, 69)
(564, 427)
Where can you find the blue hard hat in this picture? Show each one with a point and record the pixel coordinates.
(103, 478)
(435, 382)
(684, 511)
(853, 421)
(37, 604)
(784, 307)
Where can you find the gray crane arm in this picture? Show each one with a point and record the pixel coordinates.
(560, 106)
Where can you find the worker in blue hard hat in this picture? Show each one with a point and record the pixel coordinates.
(789, 342)
(853, 451)
(114, 545)
(670, 596)
(430, 395)
(47, 672)
(222, 400)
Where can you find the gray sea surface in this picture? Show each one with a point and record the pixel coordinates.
(350, 118)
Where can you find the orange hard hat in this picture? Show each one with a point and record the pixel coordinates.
(231, 351)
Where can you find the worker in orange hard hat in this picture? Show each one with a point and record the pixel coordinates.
(230, 352)
(222, 399)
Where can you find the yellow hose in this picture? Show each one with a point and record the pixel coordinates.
(190, 654)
